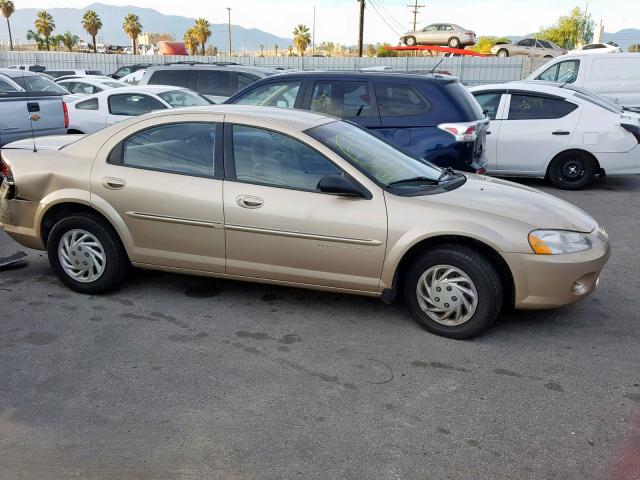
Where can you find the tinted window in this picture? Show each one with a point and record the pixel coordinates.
(246, 79)
(593, 46)
(180, 148)
(91, 104)
(565, 72)
(177, 78)
(6, 86)
(529, 107)
(59, 73)
(342, 98)
(489, 103)
(545, 44)
(272, 95)
(183, 98)
(133, 104)
(94, 72)
(527, 42)
(465, 102)
(40, 84)
(396, 99)
(214, 82)
(266, 157)
(82, 88)
(122, 71)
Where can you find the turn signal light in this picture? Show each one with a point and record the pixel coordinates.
(539, 246)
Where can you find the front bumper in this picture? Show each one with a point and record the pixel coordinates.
(548, 281)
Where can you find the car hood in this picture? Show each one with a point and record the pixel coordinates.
(52, 142)
(517, 202)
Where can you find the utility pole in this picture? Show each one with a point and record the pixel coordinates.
(313, 33)
(415, 8)
(229, 10)
(361, 31)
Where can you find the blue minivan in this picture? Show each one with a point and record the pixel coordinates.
(430, 116)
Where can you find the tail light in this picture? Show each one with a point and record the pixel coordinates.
(6, 173)
(473, 34)
(66, 114)
(633, 129)
(462, 132)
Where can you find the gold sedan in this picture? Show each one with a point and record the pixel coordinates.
(300, 199)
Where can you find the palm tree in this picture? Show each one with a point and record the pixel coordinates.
(7, 8)
(92, 24)
(45, 26)
(301, 38)
(191, 41)
(290, 48)
(276, 47)
(133, 28)
(36, 37)
(68, 40)
(202, 31)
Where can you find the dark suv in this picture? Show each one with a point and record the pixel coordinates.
(217, 82)
(433, 117)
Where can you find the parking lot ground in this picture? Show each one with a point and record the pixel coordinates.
(177, 377)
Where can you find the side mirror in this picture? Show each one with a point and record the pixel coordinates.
(338, 184)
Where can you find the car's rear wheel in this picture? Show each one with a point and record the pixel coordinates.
(453, 291)
(454, 42)
(410, 41)
(572, 170)
(86, 254)
(548, 56)
(502, 53)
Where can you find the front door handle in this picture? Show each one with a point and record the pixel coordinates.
(247, 201)
(561, 132)
(113, 183)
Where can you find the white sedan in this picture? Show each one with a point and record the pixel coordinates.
(559, 132)
(597, 48)
(88, 85)
(95, 112)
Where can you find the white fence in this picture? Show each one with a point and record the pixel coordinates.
(470, 70)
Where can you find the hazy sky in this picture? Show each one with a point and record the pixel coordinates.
(336, 20)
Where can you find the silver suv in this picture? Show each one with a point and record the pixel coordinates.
(448, 34)
(217, 82)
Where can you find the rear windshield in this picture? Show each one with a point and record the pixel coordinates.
(465, 101)
(40, 84)
(183, 98)
(94, 72)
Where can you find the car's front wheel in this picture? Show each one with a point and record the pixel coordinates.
(572, 170)
(86, 254)
(453, 291)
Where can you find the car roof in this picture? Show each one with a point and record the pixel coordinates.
(13, 73)
(211, 66)
(139, 89)
(537, 86)
(360, 74)
(586, 55)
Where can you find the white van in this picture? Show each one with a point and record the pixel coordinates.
(616, 75)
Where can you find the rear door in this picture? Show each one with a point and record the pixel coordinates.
(349, 99)
(535, 129)
(14, 117)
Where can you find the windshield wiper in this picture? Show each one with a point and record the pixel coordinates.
(428, 180)
(448, 171)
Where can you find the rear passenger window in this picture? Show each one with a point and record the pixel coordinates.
(246, 79)
(91, 104)
(214, 82)
(133, 104)
(489, 103)
(397, 100)
(186, 148)
(342, 98)
(529, 107)
(177, 78)
(272, 95)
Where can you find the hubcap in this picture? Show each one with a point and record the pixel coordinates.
(447, 295)
(81, 255)
(573, 170)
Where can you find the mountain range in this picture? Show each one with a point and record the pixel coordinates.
(152, 21)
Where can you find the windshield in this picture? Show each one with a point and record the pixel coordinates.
(184, 98)
(374, 157)
(39, 84)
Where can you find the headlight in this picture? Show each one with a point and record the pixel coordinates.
(555, 242)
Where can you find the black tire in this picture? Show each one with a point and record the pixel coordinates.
(503, 52)
(454, 42)
(478, 269)
(116, 261)
(572, 170)
(410, 41)
(548, 56)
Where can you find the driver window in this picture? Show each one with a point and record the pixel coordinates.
(272, 95)
(269, 158)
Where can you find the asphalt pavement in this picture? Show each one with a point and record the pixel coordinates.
(178, 377)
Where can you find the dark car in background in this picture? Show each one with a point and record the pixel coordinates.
(126, 70)
(217, 82)
(432, 117)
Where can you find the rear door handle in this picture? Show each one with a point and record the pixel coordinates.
(247, 201)
(113, 183)
(561, 132)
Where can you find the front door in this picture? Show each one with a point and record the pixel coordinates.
(279, 226)
(535, 129)
(166, 188)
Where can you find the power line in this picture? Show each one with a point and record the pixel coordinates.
(415, 8)
(383, 18)
(386, 11)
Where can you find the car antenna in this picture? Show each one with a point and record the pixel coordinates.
(26, 92)
(437, 64)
